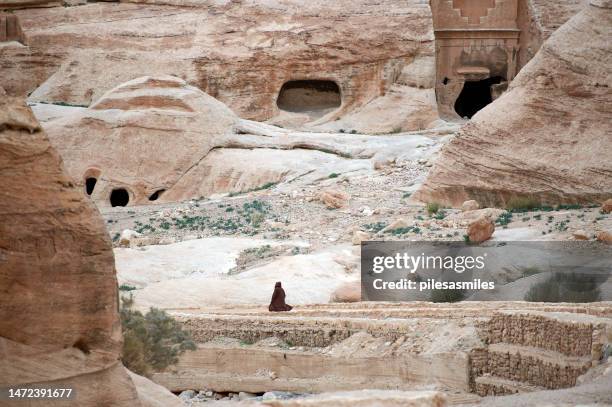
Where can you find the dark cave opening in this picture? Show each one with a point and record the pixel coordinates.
(119, 197)
(309, 95)
(475, 95)
(155, 195)
(90, 184)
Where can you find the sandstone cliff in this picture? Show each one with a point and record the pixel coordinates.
(58, 309)
(240, 53)
(548, 137)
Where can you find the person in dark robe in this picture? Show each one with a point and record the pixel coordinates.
(277, 304)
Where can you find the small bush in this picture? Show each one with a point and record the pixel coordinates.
(504, 219)
(432, 208)
(565, 287)
(447, 295)
(333, 175)
(152, 341)
(125, 287)
(440, 215)
(522, 204)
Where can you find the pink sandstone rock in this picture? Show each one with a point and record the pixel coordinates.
(547, 136)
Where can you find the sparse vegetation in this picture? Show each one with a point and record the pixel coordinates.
(529, 271)
(404, 230)
(522, 204)
(152, 341)
(504, 219)
(447, 295)
(267, 185)
(333, 175)
(565, 287)
(126, 287)
(433, 208)
(374, 227)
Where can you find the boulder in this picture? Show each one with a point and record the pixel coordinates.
(152, 394)
(60, 324)
(470, 205)
(397, 224)
(580, 235)
(481, 229)
(243, 395)
(127, 237)
(604, 237)
(526, 142)
(359, 236)
(333, 199)
(607, 206)
(467, 217)
(347, 292)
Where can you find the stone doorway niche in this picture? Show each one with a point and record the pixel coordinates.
(90, 184)
(475, 95)
(119, 197)
(91, 177)
(155, 195)
(313, 97)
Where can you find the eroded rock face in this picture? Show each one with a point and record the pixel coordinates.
(240, 53)
(548, 136)
(146, 136)
(59, 319)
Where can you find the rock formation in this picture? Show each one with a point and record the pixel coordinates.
(546, 137)
(267, 45)
(145, 135)
(58, 309)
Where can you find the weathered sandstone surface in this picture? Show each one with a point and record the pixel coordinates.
(160, 139)
(142, 137)
(59, 304)
(378, 56)
(547, 137)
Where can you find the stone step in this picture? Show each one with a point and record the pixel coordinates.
(488, 385)
(534, 366)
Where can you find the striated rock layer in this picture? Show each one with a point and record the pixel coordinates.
(59, 323)
(241, 53)
(548, 137)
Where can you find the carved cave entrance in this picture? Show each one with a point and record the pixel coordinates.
(119, 197)
(475, 95)
(309, 96)
(90, 184)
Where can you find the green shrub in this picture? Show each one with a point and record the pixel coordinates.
(374, 227)
(504, 219)
(522, 204)
(432, 208)
(126, 287)
(447, 295)
(565, 287)
(152, 341)
(333, 175)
